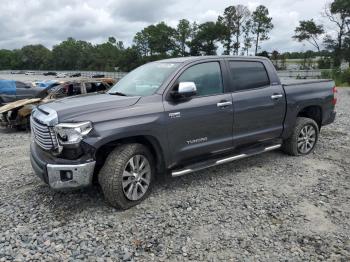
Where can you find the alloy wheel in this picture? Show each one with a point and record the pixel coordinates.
(136, 177)
(306, 139)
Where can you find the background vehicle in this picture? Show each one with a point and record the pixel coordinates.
(62, 75)
(11, 90)
(178, 116)
(47, 84)
(50, 73)
(75, 75)
(17, 114)
(29, 73)
(98, 76)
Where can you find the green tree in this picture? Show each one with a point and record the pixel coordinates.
(264, 54)
(112, 40)
(34, 57)
(156, 39)
(9, 59)
(107, 55)
(130, 59)
(73, 55)
(141, 43)
(274, 58)
(247, 37)
(308, 31)
(233, 22)
(183, 34)
(204, 42)
(338, 12)
(261, 25)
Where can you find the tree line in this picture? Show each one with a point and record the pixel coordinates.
(237, 30)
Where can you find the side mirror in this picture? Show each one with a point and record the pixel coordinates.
(184, 90)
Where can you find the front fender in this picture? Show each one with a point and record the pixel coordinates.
(147, 127)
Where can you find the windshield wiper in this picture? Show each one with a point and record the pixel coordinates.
(117, 94)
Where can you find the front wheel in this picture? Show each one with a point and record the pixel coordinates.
(303, 139)
(127, 175)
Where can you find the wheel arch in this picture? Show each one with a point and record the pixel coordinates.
(312, 111)
(150, 142)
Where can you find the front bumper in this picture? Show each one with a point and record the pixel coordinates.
(60, 173)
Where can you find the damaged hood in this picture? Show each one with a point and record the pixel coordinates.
(84, 107)
(17, 104)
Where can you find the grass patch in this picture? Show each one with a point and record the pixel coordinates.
(341, 78)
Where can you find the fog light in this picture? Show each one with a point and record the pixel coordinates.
(66, 175)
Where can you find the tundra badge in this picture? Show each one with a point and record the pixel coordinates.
(175, 115)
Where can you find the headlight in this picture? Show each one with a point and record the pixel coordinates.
(72, 133)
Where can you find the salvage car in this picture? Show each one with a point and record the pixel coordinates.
(75, 75)
(11, 90)
(50, 73)
(47, 84)
(17, 114)
(176, 116)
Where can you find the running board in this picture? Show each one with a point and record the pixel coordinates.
(200, 166)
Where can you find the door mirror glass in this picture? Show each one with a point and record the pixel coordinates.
(184, 90)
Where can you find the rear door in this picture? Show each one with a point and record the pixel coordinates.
(259, 105)
(201, 125)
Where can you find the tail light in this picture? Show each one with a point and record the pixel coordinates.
(334, 90)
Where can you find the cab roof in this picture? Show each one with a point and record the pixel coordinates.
(198, 58)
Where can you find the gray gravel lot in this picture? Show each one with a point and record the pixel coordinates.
(270, 207)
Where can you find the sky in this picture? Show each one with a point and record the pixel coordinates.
(48, 22)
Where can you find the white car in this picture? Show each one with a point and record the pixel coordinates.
(29, 73)
(61, 75)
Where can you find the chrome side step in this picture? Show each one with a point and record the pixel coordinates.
(221, 161)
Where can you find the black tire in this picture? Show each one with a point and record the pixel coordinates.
(290, 145)
(25, 126)
(111, 175)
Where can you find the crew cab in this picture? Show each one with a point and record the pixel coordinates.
(176, 116)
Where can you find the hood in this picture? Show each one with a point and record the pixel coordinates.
(78, 108)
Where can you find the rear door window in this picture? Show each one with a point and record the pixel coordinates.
(248, 75)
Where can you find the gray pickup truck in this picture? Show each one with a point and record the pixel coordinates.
(175, 116)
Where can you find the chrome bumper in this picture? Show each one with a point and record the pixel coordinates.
(70, 176)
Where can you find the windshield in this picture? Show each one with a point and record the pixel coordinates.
(144, 80)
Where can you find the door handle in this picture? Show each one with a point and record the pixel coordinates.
(276, 96)
(224, 103)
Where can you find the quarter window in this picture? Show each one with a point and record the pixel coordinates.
(206, 76)
(248, 75)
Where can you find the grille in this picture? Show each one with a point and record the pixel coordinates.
(43, 135)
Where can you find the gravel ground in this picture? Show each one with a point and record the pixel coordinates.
(270, 207)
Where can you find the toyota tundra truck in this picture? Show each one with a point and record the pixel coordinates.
(176, 116)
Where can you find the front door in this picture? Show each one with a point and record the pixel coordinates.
(201, 125)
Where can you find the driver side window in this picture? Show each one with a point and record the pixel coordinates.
(206, 76)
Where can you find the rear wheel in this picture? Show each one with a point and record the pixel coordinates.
(127, 175)
(303, 139)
